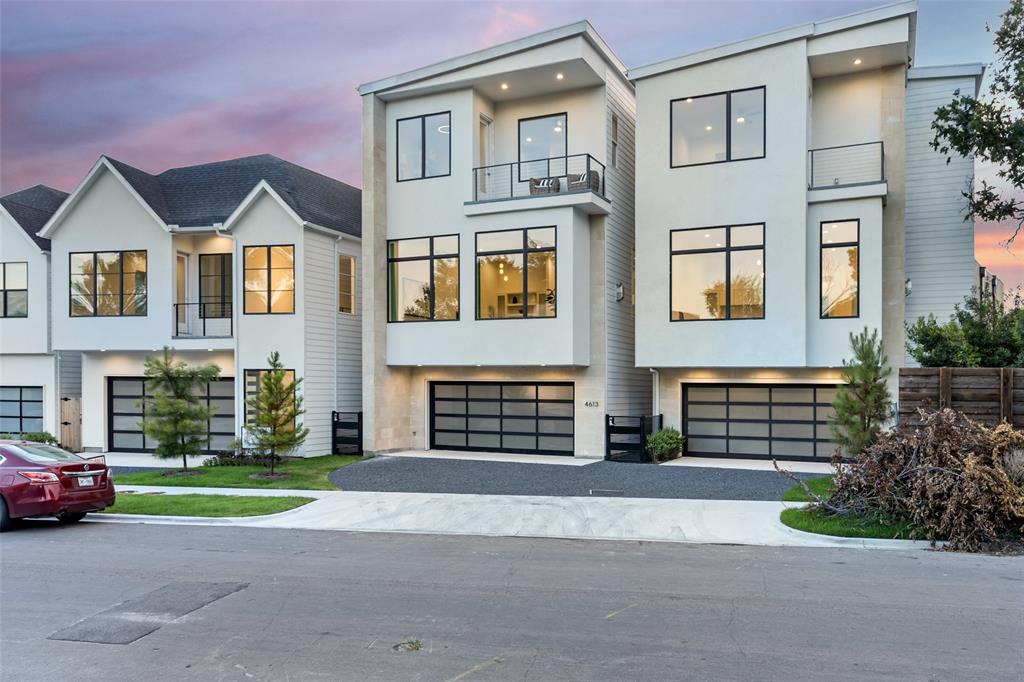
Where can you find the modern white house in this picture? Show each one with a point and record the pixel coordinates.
(34, 378)
(498, 205)
(786, 196)
(224, 263)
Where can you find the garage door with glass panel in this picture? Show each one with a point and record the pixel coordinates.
(128, 398)
(521, 417)
(781, 421)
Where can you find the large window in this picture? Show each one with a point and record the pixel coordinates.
(108, 283)
(269, 279)
(21, 409)
(840, 268)
(542, 146)
(717, 273)
(424, 146)
(423, 279)
(346, 284)
(726, 126)
(13, 289)
(215, 285)
(515, 273)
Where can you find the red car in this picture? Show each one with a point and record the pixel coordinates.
(43, 480)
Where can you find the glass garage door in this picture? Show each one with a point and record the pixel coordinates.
(127, 400)
(783, 421)
(534, 418)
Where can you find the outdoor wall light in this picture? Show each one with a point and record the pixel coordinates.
(908, 286)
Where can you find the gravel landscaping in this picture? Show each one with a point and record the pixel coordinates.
(421, 475)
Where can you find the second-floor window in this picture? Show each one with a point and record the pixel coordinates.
(215, 286)
(543, 146)
(108, 283)
(423, 279)
(717, 273)
(840, 269)
(424, 148)
(346, 284)
(614, 160)
(515, 273)
(725, 126)
(269, 279)
(13, 289)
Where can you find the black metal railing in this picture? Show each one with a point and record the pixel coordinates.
(540, 177)
(626, 437)
(203, 320)
(346, 433)
(846, 165)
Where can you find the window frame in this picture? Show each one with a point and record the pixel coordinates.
(524, 252)
(614, 156)
(519, 147)
(821, 263)
(423, 146)
(295, 297)
(728, 127)
(352, 281)
(95, 274)
(727, 250)
(226, 301)
(21, 406)
(4, 290)
(259, 378)
(431, 257)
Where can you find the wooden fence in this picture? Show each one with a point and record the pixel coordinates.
(986, 394)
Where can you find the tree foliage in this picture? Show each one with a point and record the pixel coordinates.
(862, 404)
(992, 129)
(176, 418)
(273, 426)
(982, 332)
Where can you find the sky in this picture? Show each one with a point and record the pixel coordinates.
(166, 84)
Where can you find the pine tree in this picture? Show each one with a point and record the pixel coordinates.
(273, 428)
(862, 404)
(176, 418)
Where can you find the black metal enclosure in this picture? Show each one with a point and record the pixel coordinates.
(626, 437)
(346, 433)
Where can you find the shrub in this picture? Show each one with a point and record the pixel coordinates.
(31, 436)
(980, 333)
(665, 444)
(863, 402)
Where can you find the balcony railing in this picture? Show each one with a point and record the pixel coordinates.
(203, 320)
(540, 177)
(849, 164)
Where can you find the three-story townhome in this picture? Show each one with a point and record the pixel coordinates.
(498, 201)
(784, 189)
(225, 263)
(34, 379)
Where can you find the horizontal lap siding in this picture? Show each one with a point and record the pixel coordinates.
(319, 296)
(69, 374)
(349, 344)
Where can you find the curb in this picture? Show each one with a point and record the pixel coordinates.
(857, 543)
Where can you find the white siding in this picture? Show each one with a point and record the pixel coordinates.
(69, 374)
(628, 389)
(939, 244)
(320, 299)
(349, 342)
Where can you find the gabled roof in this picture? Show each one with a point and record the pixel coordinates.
(32, 207)
(199, 196)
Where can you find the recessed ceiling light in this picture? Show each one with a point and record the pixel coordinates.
(559, 76)
(706, 236)
(558, 129)
(707, 127)
(504, 86)
(740, 119)
(856, 62)
(689, 99)
(529, 139)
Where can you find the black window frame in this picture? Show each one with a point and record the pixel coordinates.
(4, 291)
(431, 256)
(269, 269)
(21, 408)
(613, 159)
(727, 250)
(225, 304)
(525, 251)
(519, 146)
(821, 262)
(95, 288)
(352, 277)
(423, 146)
(246, 373)
(728, 127)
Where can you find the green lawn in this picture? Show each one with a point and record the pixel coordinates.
(301, 474)
(203, 505)
(813, 521)
(821, 486)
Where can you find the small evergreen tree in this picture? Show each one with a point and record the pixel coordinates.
(862, 404)
(177, 419)
(273, 428)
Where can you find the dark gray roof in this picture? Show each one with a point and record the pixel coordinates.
(32, 207)
(209, 193)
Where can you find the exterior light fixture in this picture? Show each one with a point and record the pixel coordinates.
(504, 86)
(856, 62)
(559, 76)
(740, 119)
(529, 139)
(689, 99)
(558, 129)
(707, 127)
(444, 129)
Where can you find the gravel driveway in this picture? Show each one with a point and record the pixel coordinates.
(421, 475)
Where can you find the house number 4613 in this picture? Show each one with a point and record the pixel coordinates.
(591, 403)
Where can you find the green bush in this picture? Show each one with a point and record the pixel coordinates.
(665, 444)
(32, 436)
(981, 332)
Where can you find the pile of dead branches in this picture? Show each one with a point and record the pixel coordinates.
(951, 477)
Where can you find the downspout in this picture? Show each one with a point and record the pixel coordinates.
(655, 391)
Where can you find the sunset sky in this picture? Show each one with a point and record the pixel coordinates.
(165, 84)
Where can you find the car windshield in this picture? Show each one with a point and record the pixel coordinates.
(43, 453)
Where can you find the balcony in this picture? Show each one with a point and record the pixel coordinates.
(847, 165)
(203, 320)
(574, 180)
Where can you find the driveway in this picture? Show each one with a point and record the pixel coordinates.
(600, 479)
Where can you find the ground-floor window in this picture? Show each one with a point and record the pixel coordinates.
(128, 398)
(21, 409)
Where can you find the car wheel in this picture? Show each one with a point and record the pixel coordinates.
(6, 522)
(71, 518)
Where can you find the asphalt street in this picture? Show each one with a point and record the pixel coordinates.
(208, 603)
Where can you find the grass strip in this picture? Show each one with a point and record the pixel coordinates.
(299, 474)
(202, 505)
